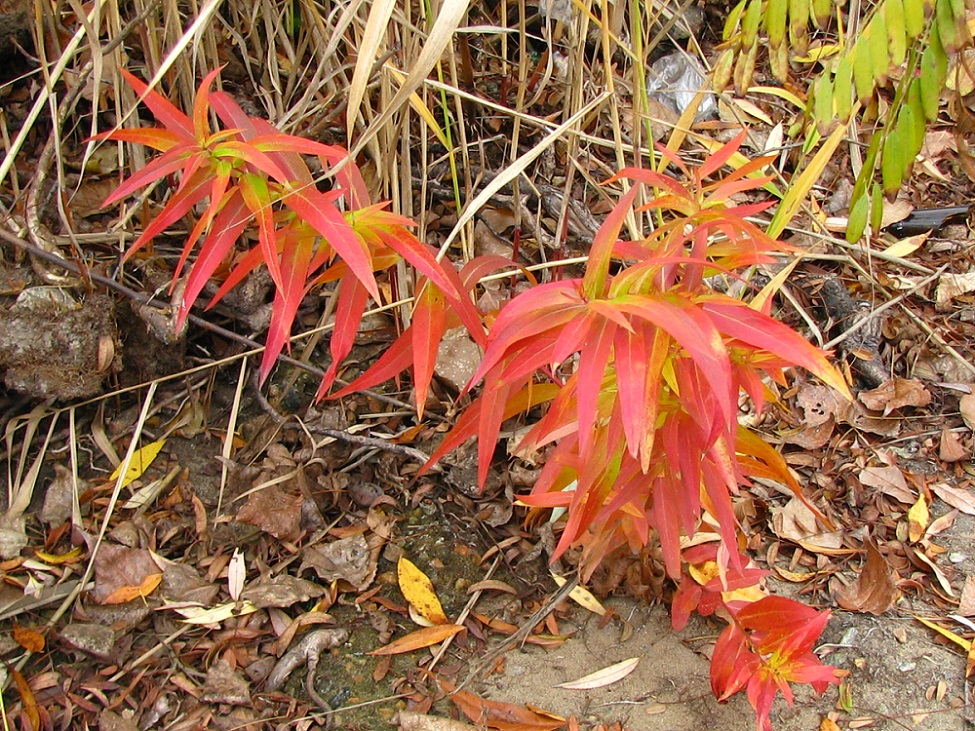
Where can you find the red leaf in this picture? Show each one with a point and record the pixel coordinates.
(428, 326)
(163, 109)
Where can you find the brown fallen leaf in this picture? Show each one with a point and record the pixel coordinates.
(123, 574)
(951, 447)
(889, 480)
(348, 559)
(273, 511)
(29, 639)
(956, 497)
(502, 716)
(874, 591)
(896, 394)
(966, 605)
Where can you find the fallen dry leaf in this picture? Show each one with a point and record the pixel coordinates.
(409, 721)
(346, 559)
(951, 286)
(966, 405)
(956, 497)
(889, 480)
(502, 716)
(273, 511)
(419, 592)
(917, 519)
(796, 522)
(124, 572)
(29, 639)
(896, 394)
(582, 596)
(601, 678)
(425, 637)
(966, 605)
(874, 591)
(281, 591)
(142, 458)
(951, 447)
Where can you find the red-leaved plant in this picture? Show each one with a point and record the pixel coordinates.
(250, 173)
(637, 367)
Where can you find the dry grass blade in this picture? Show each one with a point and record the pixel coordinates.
(442, 33)
(369, 46)
(517, 167)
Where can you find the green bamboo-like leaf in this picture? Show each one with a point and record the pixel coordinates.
(750, 23)
(857, 221)
(876, 208)
(823, 102)
(916, 104)
(863, 70)
(734, 17)
(798, 25)
(947, 26)
(896, 31)
(879, 48)
(892, 163)
(843, 89)
(934, 71)
(822, 12)
(775, 21)
(914, 15)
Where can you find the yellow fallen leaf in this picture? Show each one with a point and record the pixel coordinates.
(917, 519)
(141, 459)
(53, 559)
(582, 596)
(946, 633)
(419, 639)
(419, 592)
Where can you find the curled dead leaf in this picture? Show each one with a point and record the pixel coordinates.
(874, 591)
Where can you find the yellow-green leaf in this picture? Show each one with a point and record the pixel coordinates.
(917, 114)
(879, 47)
(934, 69)
(141, 459)
(863, 70)
(823, 103)
(779, 61)
(798, 25)
(775, 16)
(721, 73)
(892, 164)
(843, 89)
(857, 222)
(947, 26)
(914, 18)
(731, 24)
(896, 31)
(750, 22)
(822, 12)
(419, 592)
